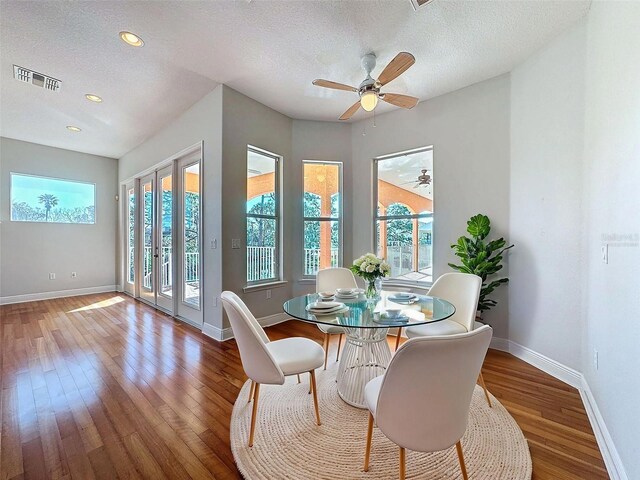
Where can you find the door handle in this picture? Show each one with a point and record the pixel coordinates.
(155, 255)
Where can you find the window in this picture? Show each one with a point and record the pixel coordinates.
(263, 216)
(404, 219)
(322, 213)
(43, 199)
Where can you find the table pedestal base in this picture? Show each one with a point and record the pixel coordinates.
(366, 355)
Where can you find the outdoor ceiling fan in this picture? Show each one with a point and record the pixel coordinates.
(423, 180)
(369, 89)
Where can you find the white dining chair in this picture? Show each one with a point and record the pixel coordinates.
(266, 362)
(454, 362)
(463, 291)
(328, 280)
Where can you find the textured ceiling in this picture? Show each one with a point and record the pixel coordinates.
(268, 50)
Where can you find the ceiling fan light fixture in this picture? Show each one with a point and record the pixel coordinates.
(368, 101)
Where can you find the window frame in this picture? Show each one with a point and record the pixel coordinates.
(95, 198)
(325, 219)
(379, 218)
(277, 217)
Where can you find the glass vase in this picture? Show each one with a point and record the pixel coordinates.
(372, 289)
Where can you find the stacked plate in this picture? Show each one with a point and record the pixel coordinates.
(347, 293)
(402, 297)
(325, 308)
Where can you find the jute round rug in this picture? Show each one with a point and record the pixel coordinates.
(289, 445)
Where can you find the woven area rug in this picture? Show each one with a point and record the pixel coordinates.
(289, 445)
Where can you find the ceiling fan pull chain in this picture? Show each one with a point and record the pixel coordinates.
(374, 119)
(364, 129)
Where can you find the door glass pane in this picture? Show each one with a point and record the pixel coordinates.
(147, 209)
(191, 199)
(261, 248)
(321, 245)
(166, 227)
(131, 205)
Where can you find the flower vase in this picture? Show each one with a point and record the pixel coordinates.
(372, 289)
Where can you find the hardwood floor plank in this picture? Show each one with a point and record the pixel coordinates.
(102, 386)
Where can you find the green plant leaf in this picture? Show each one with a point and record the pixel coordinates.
(479, 226)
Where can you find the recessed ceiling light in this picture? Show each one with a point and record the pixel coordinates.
(74, 129)
(132, 39)
(93, 98)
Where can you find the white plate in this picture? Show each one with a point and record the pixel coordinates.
(396, 298)
(324, 307)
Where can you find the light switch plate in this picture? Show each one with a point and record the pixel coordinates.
(235, 243)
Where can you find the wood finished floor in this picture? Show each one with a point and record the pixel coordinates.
(102, 386)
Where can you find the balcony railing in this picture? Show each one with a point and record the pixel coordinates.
(401, 258)
(312, 260)
(261, 263)
(191, 268)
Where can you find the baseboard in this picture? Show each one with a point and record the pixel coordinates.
(612, 459)
(554, 368)
(223, 334)
(33, 297)
(572, 377)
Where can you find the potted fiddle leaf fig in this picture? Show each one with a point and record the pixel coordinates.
(481, 257)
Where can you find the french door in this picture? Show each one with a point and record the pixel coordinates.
(168, 232)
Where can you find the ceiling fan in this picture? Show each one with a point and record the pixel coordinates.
(423, 180)
(369, 89)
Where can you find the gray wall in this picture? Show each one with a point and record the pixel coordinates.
(247, 122)
(469, 130)
(328, 141)
(201, 123)
(30, 251)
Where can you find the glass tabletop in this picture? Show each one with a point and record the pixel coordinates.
(361, 312)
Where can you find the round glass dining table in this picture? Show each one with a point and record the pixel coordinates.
(366, 352)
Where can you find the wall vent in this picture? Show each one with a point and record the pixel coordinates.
(34, 78)
(420, 3)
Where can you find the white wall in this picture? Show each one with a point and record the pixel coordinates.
(612, 215)
(547, 134)
(469, 130)
(328, 141)
(30, 251)
(201, 123)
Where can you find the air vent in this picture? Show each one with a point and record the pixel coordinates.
(34, 78)
(420, 3)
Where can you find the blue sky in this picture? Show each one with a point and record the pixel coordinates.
(26, 188)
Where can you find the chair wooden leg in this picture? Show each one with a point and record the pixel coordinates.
(315, 396)
(326, 349)
(403, 471)
(398, 338)
(461, 460)
(253, 386)
(484, 387)
(298, 378)
(367, 452)
(254, 413)
(339, 343)
(310, 384)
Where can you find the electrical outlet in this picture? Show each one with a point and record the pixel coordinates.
(235, 243)
(52, 276)
(215, 301)
(595, 359)
(605, 253)
(74, 274)
(268, 294)
(214, 244)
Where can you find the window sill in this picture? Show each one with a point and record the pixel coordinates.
(307, 281)
(264, 286)
(407, 284)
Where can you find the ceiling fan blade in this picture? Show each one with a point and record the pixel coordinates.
(335, 85)
(350, 111)
(396, 67)
(404, 101)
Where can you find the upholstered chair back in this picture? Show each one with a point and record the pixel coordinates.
(257, 361)
(463, 291)
(328, 279)
(426, 392)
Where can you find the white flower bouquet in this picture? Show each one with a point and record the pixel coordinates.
(370, 268)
